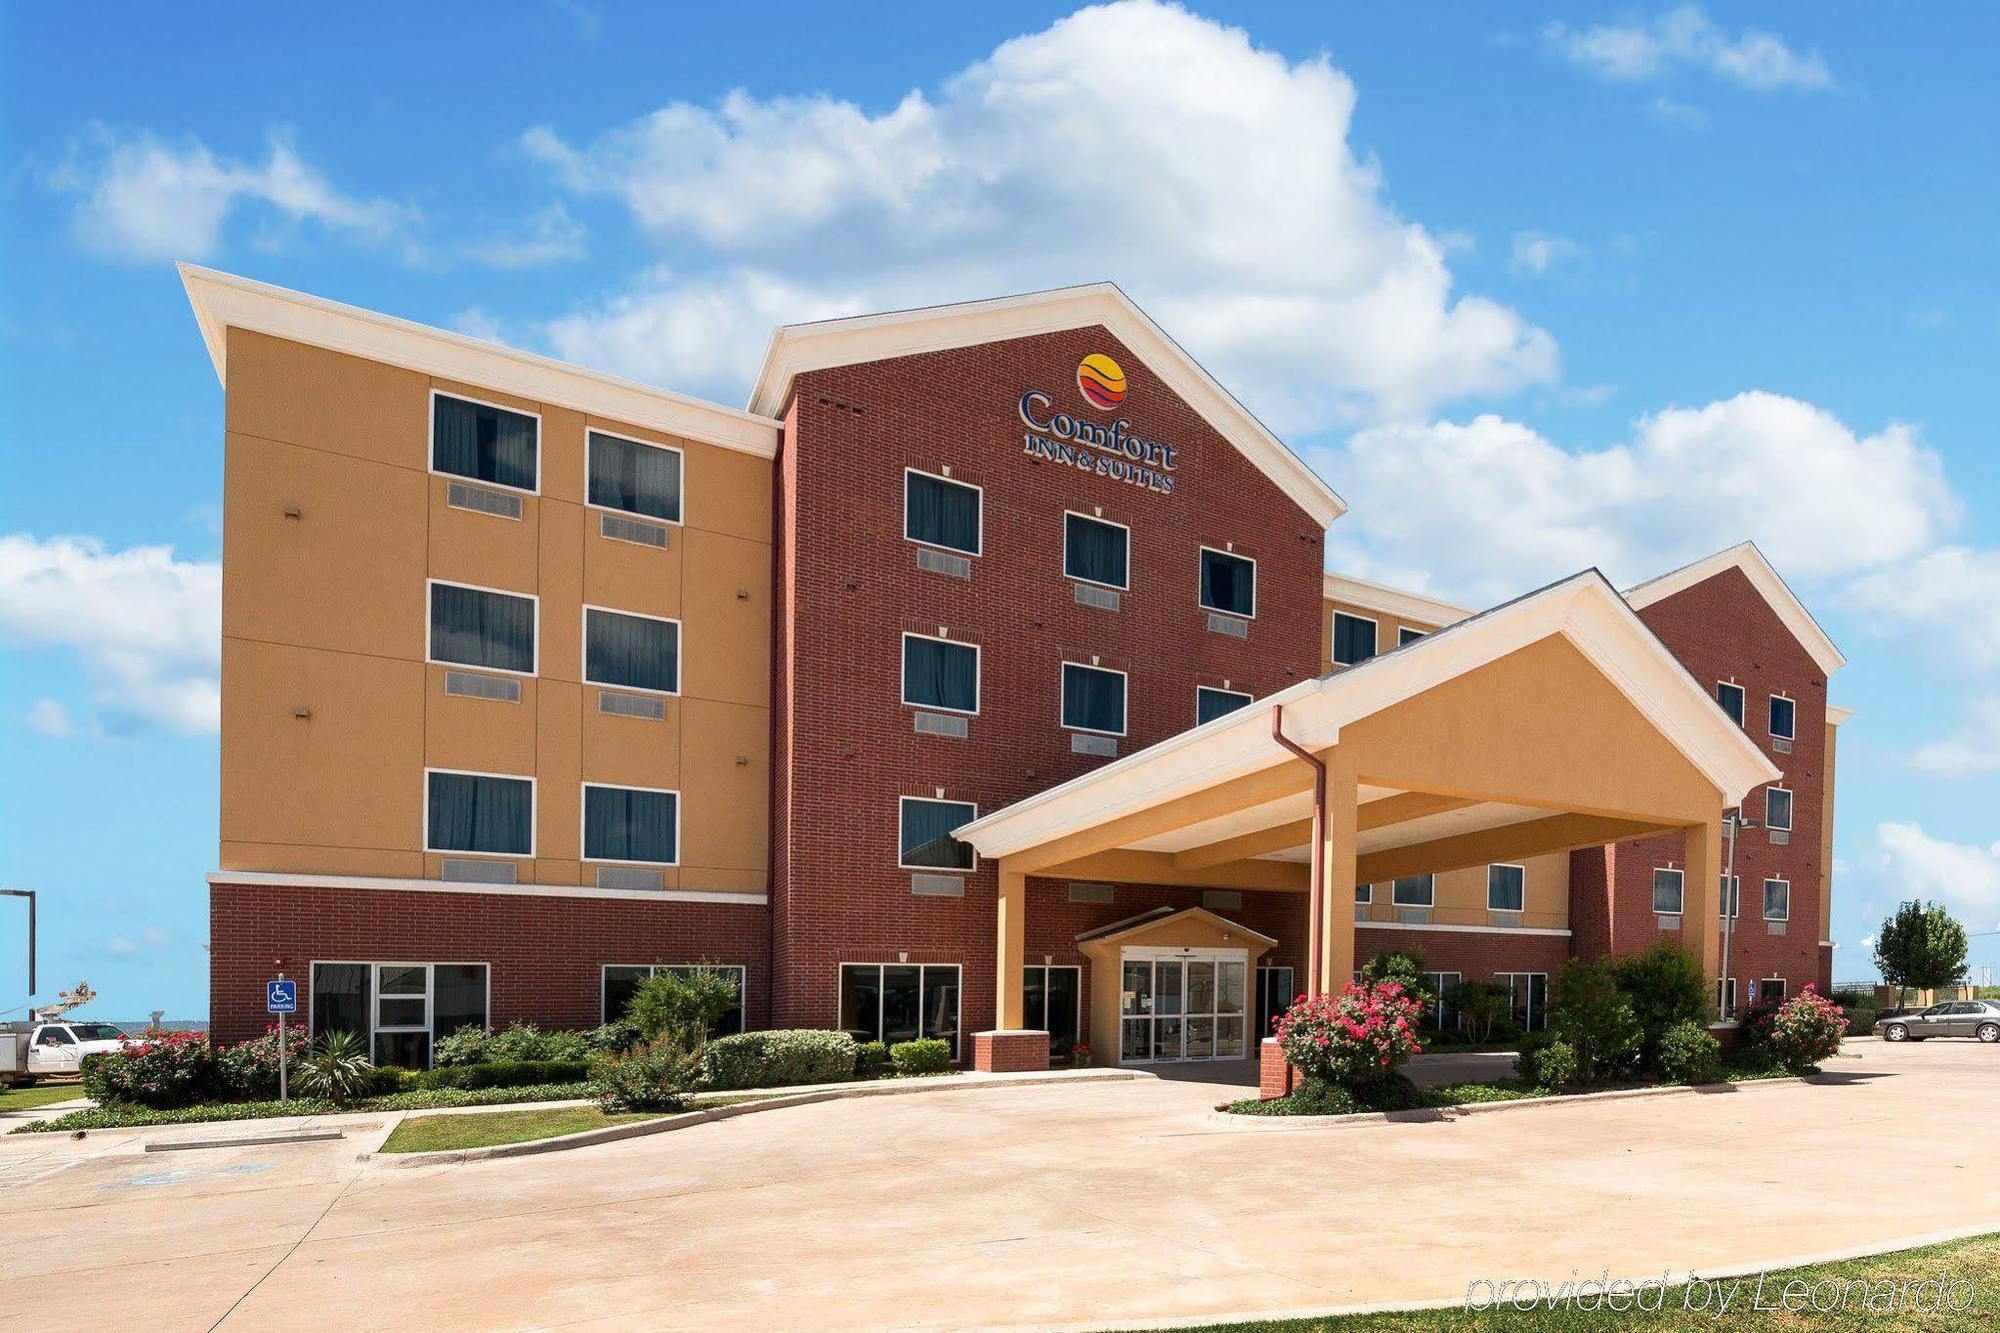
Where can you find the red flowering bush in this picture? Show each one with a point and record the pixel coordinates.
(164, 1070)
(1354, 1039)
(249, 1070)
(1806, 1030)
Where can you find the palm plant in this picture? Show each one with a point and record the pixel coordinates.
(336, 1068)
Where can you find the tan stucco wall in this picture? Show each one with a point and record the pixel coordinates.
(1460, 895)
(1388, 628)
(328, 611)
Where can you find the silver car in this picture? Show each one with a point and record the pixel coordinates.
(1954, 1018)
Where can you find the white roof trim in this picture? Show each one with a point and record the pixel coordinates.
(223, 300)
(1765, 579)
(1584, 608)
(796, 349)
(1836, 714)
(1396, 602)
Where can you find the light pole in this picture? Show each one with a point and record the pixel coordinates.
(29, 894)
(1732, 903)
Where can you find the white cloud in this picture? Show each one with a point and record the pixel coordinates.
(147, 626)
(1537, 252)
(550, 236)
(1947, 594)
(145, 199)
(1132, 141)
(1964, 877)
(1490, 508)
(50, 719)
(1687, 38)
(1682, 115)
(1972, 750)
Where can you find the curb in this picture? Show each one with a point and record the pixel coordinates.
(667, 1124)
(1433, 1114)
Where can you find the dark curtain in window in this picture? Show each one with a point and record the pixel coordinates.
(940, 675)
(1353, 639)
(1094, 551)
(1414, 891)
(619, 985)
(340, 999)
(482, 629)
(637, 478)
(625, 825)
(1784, 717)
(1731, 699)
(941, 1005)
(1777, 899)
(926, 836)
(483, 443)
(631, 650)
(1228, 583)
(1666, 892)
(1034, 998)
(1778, 809)
(1505, 888)
(861, 1002)
(940, 513)
(470, 813)
(1211, 704)
(458, 997)
(1093, 700)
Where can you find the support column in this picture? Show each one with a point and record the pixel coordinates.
(1009, 1048)
(1338, 833)
(1701, 897)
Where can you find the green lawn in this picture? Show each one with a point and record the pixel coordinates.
(1969, 1263)
(443, 1133)
(42, 1094)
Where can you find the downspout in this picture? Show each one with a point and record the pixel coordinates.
(1317, 855)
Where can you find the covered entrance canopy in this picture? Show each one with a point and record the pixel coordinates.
(1553, 722)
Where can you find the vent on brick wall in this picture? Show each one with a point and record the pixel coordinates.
(631, 705)
(1360, 911)
(631, 877)
(477, 872)
(1669, 923)
(1233, 626)
(940, 724)
(472, 685)
(1089, 594)
(1091, 893)
(1221, 900)
(1082, 744)
(1506, 920)
(482, 501)
(621, 529)
(1413, 916)
(1781, 836)
(943, 562)
(1774, 927)
(1780, 745)
(937, 886)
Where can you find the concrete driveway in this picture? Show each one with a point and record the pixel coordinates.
(1110, 1204)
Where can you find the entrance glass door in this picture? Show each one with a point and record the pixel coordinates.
(1188, 1006)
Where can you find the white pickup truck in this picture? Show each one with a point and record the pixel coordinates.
(53, 1049)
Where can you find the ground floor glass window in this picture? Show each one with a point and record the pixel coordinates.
(1442, 1012)
(398, 1009)
(1528, 994)
(1049, 1003)
(1182, 1008)
(1274, 996)
(896, 1002)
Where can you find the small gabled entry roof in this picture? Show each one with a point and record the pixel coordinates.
(1772, 588)
(1148, 923)
(799, 348)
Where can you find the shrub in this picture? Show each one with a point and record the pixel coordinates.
(497, 1074)
(1861, 1009)
(871, 1060)
(1358, 1037)
(337, 1069)
(926, 1055)
(470, 1045)
(620, 1034)
(1405, 967)
(1312, 1097)
(517, 1043)
(681, 1003)
(168, 1070)
(1666, 987)
(1590, 1013)
(1689, 1053)
(1755, 1020)
(1485, 1005)
(652, 1076)
(1806, 1030)
(248, 1071)
(777, 1059)
(1546, 1061)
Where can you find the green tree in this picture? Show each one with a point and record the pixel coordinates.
(686, 1004)
(1484, 1004)
(1921, 947)
(1594, 1017)
(1667, 988)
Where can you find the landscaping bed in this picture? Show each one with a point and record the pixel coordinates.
(126, 1116)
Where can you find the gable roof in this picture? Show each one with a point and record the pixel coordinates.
(799, 348)
(1768, 584)
(1158, 916)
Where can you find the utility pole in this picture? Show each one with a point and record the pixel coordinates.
(29, 894)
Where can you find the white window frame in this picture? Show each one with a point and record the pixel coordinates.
(1770, 723)
(934, 870)
(979, 491)
(1769, 880)
(1126, 586)
(1491, 866)
(534, 814)
(1680, 878)
(588, 503)
(1725, 987)
(1407, 635)
(1333, 634)
(583, 823)
(1791, 809)
(1233, 555)
(958, 1018)
(1742, 718)
(1396, 892)
(535, 637)
(430, 442)
(1548, 1000)
(374, 998)
(583, 648)
(1200, 690)
(1764, 988)
(1045, 969)
(1061, 694)
(741, 970)
(978, 675)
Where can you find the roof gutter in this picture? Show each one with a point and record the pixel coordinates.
(1317, 856)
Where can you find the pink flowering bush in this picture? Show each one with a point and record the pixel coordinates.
(1354, 1039)
(162, 1070)
(1806, 1030)
(250, 1069)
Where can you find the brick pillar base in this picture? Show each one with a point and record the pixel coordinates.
(1275, 1078)
(1016, 1052)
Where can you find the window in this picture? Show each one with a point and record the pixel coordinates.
(482, 628)
(1777, 900)
(1732, 890)
(1274, 997)
(898, 1002)
(937, 512)
(1406, 635)
(631, 651)
(1725, 997)
(485, 443)
(1771, 990)
(398, 1009)
(1443, 1011)
(621, 982)
(1506, 888)
(638, 478)
(1777, 809)
(633, 825)
(938, 673)
(1415, 891)
(1669, 891)
(926, 841)
(1210, 704)
(1353, 639)
(1228, 583)
(1093, 698)
(1096, 551)
(1784, 717)
(479, 812)
(1364, 894)
(1730, 697)
(1528, 996)
(1049, 1004)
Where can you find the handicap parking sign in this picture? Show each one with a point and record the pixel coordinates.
(281, 997)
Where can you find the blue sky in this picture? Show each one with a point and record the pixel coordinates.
(1534, 287)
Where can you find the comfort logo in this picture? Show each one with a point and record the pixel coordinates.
(1100, 381)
